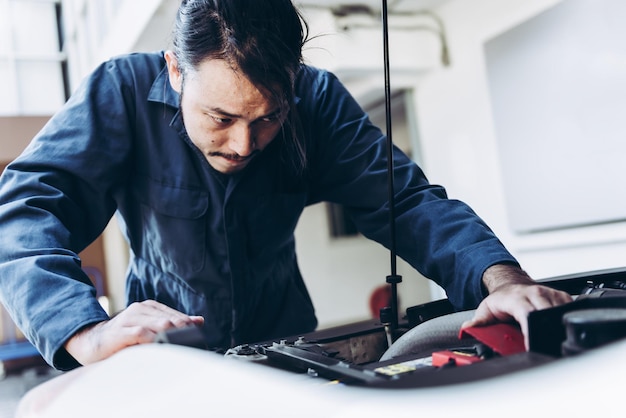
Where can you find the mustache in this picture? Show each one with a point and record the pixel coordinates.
(234, 157)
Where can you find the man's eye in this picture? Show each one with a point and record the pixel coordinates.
(271, 118)
(222, 121)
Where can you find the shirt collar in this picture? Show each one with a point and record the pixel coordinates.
(162, 91)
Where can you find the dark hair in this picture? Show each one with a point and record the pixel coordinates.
(262, 38)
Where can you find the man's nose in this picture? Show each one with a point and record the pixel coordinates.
(242, 140)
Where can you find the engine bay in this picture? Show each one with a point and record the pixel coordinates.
(428, 349)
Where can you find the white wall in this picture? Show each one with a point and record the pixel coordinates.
(558, 96)
(461, 149)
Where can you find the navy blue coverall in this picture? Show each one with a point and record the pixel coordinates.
(201, 242)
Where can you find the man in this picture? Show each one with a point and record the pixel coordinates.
(208, 154)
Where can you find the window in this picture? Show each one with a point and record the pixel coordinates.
(31, 57)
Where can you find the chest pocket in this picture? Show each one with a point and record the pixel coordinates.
(173, 230)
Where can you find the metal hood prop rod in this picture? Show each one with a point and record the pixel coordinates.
(393, 279)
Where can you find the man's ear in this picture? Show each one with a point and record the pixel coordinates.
(175, 76)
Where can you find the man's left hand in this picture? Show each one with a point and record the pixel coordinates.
(512, 296)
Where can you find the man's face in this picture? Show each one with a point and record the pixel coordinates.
(228, 118)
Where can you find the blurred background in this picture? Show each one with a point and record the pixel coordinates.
(515, 106)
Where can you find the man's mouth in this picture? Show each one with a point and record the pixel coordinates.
(233, 161)
(234, 157)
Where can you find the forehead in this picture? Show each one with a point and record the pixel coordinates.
(216, 83)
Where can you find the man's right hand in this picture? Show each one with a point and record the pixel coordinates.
(137, 324)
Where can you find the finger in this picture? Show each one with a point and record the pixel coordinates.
(559, 297)
(162, 322)
(157, 308)
(480, 318)
(499, 308)
(469, 323)
(523, 324)
(484, 315)
(153, 309)
(136, 335)
(178, 319)
(543, 297)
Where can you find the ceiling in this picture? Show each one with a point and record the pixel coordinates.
(393, 5)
